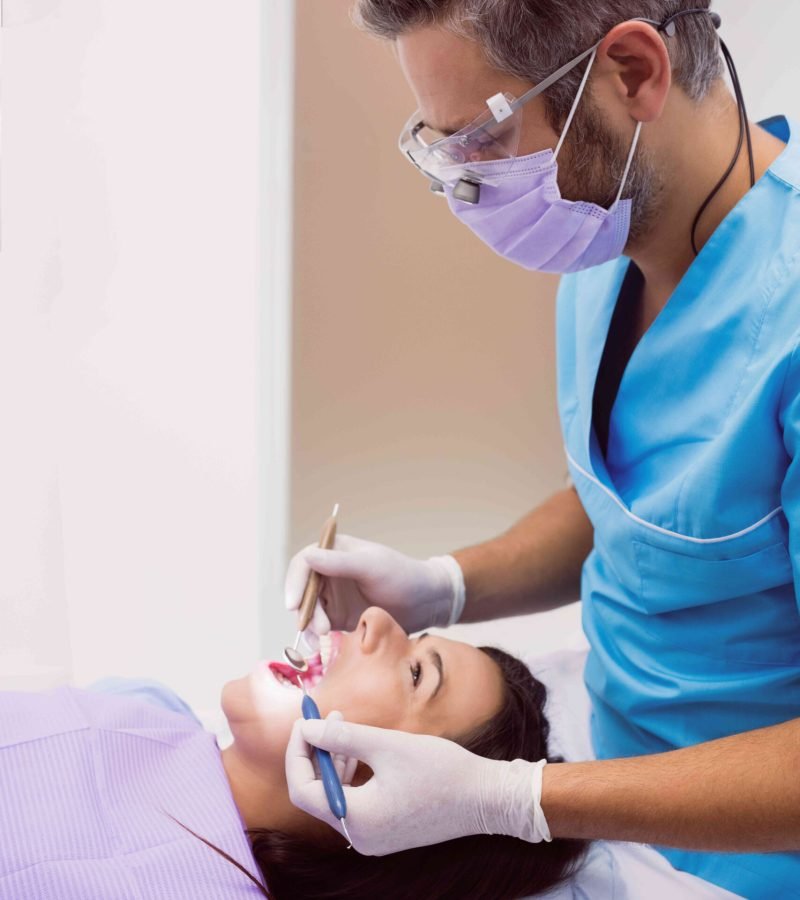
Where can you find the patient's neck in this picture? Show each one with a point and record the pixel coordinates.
(262, 798)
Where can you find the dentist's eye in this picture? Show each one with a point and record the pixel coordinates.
(416, 671)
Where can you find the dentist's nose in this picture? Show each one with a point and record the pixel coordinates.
(377, 629)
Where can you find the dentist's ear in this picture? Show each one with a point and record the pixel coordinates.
(637, 69)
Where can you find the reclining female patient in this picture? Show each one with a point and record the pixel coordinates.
(487, 701)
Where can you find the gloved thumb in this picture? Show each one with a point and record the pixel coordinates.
(345, 767)
(358, 741)
(333, 735)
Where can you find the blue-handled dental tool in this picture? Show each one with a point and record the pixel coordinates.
(330, 780)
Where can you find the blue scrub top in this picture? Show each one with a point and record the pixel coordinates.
(689, 595)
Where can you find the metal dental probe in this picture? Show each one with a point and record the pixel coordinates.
(330, 778)
(310, 594)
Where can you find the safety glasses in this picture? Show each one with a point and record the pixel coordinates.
(446, 159)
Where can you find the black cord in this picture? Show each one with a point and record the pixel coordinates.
(737, 86)
(668, 26)
(744, 128)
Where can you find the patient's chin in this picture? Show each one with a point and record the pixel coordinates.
(230, 699)
(260, 721)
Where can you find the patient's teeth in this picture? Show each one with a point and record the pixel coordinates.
(325, 645)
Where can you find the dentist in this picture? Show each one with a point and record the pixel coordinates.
(566, 134)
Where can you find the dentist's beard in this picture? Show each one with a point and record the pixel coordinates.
(592, 163)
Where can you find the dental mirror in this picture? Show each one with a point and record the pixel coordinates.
(295, 658)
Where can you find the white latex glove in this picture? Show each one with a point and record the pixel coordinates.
(424, 789)
(345, 765)
(359, 574)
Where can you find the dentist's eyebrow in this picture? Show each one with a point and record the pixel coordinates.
(448, 132)
(437, 661)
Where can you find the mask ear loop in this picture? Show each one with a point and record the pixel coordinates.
(571, 116)
(628, 164)
(574, 109)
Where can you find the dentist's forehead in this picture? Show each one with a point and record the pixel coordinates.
(450, 77)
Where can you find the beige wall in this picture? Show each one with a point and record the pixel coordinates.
(423, 373)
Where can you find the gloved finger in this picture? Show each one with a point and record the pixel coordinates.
(337, 716)
(311, 638)
(320, 623)
(296, 578)
(298, 570)
(339, 759)
(302, 749)
(298, 760)
(336, 563)
(363, 742)
(348, 543)
(349, 770)
(306, 791)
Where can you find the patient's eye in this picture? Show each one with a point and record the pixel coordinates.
(416, 671)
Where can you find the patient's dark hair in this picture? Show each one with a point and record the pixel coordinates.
(478, 867)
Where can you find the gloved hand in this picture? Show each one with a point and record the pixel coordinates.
(345, 765)
(359, 574)
(424, 789)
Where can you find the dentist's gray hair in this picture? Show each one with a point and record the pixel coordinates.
(532, 38)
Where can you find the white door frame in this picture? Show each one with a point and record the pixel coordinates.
(275, 310)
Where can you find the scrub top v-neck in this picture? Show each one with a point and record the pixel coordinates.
(689, 595)
(619, 347)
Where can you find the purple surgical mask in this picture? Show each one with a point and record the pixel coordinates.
(522, 216)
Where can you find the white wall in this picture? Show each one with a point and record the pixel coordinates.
(34, 645)
(133, 493)
(762, 38)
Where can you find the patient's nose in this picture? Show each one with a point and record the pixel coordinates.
(378, 631)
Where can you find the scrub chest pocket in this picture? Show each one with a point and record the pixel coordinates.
(671, 580)
(755, 587)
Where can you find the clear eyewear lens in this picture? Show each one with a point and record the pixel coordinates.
(446, 159)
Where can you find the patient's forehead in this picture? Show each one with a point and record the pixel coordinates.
(472, 691)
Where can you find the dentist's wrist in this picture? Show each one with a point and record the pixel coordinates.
(509, 801)
(453, 595)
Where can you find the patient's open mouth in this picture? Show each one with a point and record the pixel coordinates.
(317, 669)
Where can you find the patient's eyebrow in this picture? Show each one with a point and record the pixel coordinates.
(437, 661)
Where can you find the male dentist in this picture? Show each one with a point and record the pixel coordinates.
(597, 139)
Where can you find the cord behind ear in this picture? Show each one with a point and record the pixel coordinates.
(670, 29)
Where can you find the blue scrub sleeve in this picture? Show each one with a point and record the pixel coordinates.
(146, 689)
(790, 490)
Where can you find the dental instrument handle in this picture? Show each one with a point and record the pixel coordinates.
(311, 592)
(330, 780)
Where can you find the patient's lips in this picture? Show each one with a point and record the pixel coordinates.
(287, 675)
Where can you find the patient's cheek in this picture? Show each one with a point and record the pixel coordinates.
(369, 703)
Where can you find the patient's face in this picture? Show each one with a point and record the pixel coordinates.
(378, 676)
